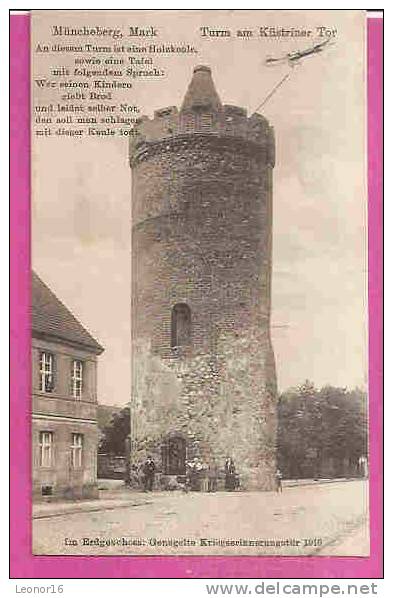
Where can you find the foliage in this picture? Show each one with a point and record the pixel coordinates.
(114, 435)
(321, 433)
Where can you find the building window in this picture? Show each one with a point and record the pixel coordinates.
(47, 382)
(181, 326)
(77, 378)
(46, 449)
(76, 450)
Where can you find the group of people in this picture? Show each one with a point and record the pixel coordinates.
(201, 476)
(204, 476)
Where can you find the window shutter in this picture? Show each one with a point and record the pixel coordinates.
(54, 372)
(53, 444)
(82, 378)
(40, 353)
(71, 379)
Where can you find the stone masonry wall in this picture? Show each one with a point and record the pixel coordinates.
(223, 404)
(201, 216)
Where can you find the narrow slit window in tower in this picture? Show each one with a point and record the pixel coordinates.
(181, 325)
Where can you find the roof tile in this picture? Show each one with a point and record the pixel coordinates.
(50, 316)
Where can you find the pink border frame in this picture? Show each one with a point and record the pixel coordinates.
(22, 563)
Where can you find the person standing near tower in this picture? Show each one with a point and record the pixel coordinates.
(230, 474)
(278, 481)
(149, 470)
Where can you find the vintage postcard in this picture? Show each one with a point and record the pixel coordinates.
(199, 296)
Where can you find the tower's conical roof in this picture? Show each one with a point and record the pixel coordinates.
(201, 91)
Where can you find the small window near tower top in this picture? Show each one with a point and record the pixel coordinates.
(189, 122)
(181, 326)
(206, 121)
(229, 125)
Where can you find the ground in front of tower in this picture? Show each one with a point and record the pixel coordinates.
(324, 519)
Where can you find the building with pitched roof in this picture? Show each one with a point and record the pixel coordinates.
(64, 401)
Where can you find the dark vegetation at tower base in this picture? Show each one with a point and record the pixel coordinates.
(322, 433)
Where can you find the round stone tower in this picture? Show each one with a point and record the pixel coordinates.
(204, 382)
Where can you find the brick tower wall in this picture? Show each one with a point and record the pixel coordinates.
(201, 236)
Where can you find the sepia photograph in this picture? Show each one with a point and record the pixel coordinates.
(199, 311)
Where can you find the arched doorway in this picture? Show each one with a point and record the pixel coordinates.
(174, 456)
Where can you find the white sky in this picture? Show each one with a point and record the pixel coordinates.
(82, 191)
